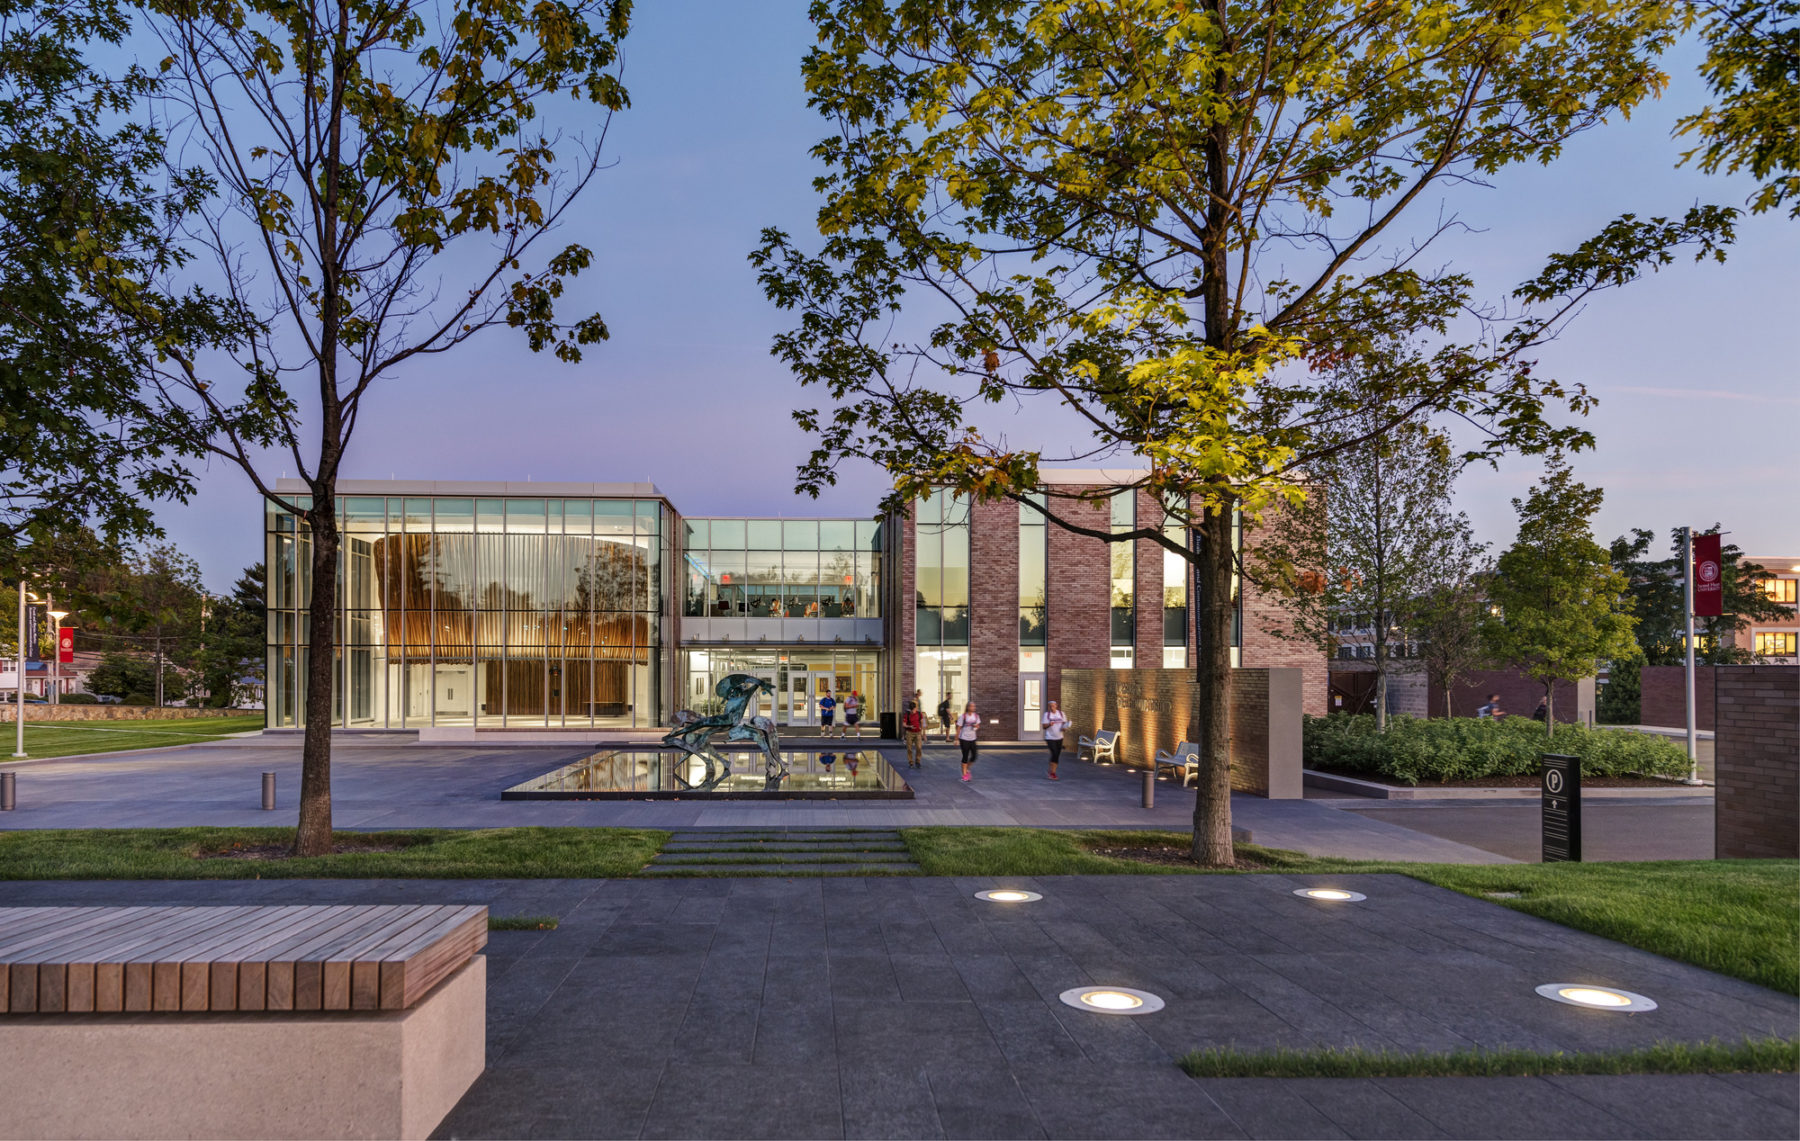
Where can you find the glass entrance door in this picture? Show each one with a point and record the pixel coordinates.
(1031, 707)
(799, 698)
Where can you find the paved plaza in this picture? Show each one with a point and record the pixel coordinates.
(908, 1008)
(377, 785)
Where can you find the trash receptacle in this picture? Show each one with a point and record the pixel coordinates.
(890, 726)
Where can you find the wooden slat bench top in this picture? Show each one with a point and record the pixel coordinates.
(99, 959)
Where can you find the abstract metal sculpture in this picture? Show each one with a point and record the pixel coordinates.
(693, 734)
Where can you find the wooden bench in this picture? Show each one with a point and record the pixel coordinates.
(242, 1003)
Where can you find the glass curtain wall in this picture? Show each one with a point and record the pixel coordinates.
(1124, 580)
(782, 568)
(941, 602)
(791, 671)
(490, 612)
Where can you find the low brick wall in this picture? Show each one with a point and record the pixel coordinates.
(1662, 696)
(119, 713)
(1756, 809)
(1155, 709)
(1519, 695)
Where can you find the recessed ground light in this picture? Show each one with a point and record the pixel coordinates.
(1008, 895)
(1596, 997)
(1330, 894)
(1112, 1000)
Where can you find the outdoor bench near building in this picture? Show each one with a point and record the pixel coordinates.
(352, 1021)
(571, 607)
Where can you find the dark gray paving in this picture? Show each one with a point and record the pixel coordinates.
(904, 1007)
(1615, 829)
(458, 786)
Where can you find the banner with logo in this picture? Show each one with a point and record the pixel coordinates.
(32, 634)
(65, 645)
(1709, 577)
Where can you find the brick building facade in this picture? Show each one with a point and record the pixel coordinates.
(1757, 758)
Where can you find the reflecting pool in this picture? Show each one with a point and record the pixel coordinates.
(666, 775)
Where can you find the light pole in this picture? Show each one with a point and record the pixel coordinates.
(1687, 608)
(19, 676)
(56, 617)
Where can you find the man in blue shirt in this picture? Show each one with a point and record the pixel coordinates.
(827, 713)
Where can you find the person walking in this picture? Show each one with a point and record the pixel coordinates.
(1542, 712)
(943, 712)
(853, 715)
(827, 714)
(1055, 721)
(1492, 708)
(912, 728)
(967, 726)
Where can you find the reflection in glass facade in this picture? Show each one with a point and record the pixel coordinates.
(514, 612)
(782, 568)
(1124, 574)
(941, 605)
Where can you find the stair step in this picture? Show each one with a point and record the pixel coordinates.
(784, 858)
(778, 870)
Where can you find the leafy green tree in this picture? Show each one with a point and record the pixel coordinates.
(1752, 69)
(157, 601)
(387, 174)
(1450, 618)
(1658, 600)
(125, 676)
(80, 202)
(1561, 607)
(1176, 220)
(1620, 701)
(1374, 539)
(233, 640)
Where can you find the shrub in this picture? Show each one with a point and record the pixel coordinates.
(1464, 748)
(138, 699)
(78, 699)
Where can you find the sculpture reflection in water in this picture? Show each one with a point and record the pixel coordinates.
(693, 734)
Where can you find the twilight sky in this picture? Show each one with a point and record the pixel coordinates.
(1695, 368)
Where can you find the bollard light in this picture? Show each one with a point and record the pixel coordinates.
(1330, 894)
(268, 792)
(1008, 895)
(9, 791)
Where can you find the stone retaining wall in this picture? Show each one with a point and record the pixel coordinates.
(120, 713)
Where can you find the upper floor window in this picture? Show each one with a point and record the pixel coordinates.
(1781, 589)
(1777, 643)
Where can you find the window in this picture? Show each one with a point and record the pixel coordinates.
(1785, 590)
(1175, 589)
(1777, 643)
(1034, 615)
(941, 566)
(1124, 571)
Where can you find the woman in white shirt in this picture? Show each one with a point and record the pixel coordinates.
(1055, 721)
(967, 726)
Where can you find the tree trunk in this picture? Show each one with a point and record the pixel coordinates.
(313, 837)
(1380, 672)
(1549, 709)
(1212, 798)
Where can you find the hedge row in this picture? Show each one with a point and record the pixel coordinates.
(1463, 748)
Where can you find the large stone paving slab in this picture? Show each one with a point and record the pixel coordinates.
(907, 1008)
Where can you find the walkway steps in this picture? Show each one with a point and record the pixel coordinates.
(781, 852)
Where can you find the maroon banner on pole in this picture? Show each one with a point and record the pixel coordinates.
(1709, 577)
(65, 645)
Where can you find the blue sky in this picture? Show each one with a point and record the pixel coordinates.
(1695, 367)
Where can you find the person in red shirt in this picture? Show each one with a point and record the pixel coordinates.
(912, 728)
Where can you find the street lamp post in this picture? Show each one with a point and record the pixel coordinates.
(56, 617)
(19, 679)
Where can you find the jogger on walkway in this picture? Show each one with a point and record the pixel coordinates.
(967, 726)
(1055, 722)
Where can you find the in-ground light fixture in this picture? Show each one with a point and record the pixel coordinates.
(1330, 894)
(1596, 997)
(1112, 1000)
(1008, 895)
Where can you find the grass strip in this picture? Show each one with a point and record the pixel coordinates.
(425, 853)
(1737, 917)
(522, 922)
(1752, 1056)
(45, 739)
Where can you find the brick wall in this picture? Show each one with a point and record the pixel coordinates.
(1155, 709)
(1756, 809)
(994, 615)
(907, 623)
(1269, 642)
(1147, 581)
(1519, 695)
(1662, 696)
(1078, 590)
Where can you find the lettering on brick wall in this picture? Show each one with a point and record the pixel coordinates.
(1129, 695)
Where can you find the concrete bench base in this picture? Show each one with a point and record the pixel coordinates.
(338, 1074)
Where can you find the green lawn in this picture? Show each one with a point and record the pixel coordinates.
(1765, 1055)
(1738, 917)
(426, 853)
(67, 738)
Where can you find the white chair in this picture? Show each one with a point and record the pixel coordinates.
(1101, 748)
(1185, 758)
